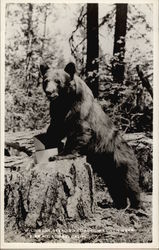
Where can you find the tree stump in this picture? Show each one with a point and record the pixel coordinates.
(48, 194)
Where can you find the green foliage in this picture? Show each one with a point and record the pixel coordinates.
(128, 102)
(25, 108)
(28, 42)
(30, 39)
(129, 105)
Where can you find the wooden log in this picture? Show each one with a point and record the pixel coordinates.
(143, 148)
(141, 144)
(49, 194)
(16, 142)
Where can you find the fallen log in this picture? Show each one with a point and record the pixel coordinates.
(143, 148)
(142, 145)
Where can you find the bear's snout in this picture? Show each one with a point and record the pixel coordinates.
(51, 95)
(51, 91)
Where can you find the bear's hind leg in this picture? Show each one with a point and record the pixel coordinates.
(132, 183)
(125, 186)
(117, 188)
(118, 194)
(134, 197)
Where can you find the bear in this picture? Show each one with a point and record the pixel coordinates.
(77, 115)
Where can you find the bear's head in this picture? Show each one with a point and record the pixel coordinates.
(57, 82)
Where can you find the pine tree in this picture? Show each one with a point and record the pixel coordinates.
(92, 47)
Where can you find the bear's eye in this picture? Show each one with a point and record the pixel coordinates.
(58, 81)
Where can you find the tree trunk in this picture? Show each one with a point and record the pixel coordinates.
(144, 80)
(49, 194)
(30, 35)
(119, 42)
(92, 47)
(44, 33)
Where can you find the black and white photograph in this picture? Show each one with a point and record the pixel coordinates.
(79, 141)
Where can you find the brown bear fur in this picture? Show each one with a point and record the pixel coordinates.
(75, 114)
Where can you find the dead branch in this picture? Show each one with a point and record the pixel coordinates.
(144, 80)
(107, 17)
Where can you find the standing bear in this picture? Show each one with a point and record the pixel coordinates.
(76, 115)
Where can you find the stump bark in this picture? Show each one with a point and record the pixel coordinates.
(49, 194)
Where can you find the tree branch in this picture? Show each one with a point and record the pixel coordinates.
(144, 80)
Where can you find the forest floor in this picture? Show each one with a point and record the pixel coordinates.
(107, 225)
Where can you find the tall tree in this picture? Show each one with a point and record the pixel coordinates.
(29, 35)
(92, 47)
(119, 42)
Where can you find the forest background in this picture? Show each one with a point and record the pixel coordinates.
(57, 34)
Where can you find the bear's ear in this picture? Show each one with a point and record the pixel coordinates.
(43, 68)
(70, 69)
